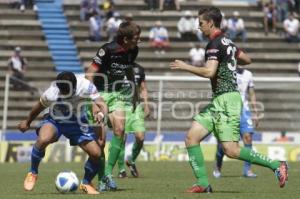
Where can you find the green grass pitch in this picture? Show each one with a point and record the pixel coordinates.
(165, 180)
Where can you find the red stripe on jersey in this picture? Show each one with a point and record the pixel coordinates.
(96, 66)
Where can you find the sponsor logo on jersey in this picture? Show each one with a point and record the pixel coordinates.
(101, 52)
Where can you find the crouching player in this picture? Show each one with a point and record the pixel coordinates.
(66, 115)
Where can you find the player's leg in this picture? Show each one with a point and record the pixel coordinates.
(246, 131)
(136, 149)
(91, 166)
(219, 161)
(193, 137)
(47, 134)
(117, 120)
(247, 139)
(121, 160)
(229, 135)
(101, 137)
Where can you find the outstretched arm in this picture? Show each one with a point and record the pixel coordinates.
(208, 71)
(253, 104)
(243, 59)
(35, 111)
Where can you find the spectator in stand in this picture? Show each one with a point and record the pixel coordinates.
(224, 23)
(197, 55)
(112, 26)
(236, 27)
(108, 7)
(152, 4)
(282, 7)
(94, 27)
(186, 28)
(17, 67)
(169, 2)
(291, 28)
(28, 3)
(85, 7)
(159, 38)
(269, 10)
(283, 137)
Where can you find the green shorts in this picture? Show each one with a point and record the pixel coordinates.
(222, 116)
(113, 100)
(135, 121)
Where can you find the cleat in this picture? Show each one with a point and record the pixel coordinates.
(282, 173)
(102, 187)
(30, 181)
(133, 170)
(88, 189)
(110, 184)
(122, 174)
(199, 189)
(250, 174)
(217, 173)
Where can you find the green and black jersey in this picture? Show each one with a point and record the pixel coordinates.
(225, 52)
(113, 62)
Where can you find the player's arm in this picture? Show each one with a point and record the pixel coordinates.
(252, 97)
(208, 71)
(35, 111)
(144, 96)
(100, 109)
(243, 58)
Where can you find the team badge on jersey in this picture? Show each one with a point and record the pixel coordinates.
(101, 52)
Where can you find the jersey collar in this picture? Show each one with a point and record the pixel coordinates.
(215, 34)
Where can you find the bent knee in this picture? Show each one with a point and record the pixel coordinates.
(232, 152)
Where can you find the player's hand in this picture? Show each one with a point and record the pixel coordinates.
(23, 126)
(177, 64)
(99, 117)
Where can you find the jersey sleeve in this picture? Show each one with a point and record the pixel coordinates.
(46, 97)
(251, 83)
(90, 90)
(212, 51)
(101, 57)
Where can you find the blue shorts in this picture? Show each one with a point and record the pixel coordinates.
(73, 131)
(246, 125)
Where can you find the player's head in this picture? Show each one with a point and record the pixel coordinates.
(66, 83)
(128, 34)
(209, 19)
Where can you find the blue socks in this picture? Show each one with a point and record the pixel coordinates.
(36, 157)
(219, 156)
(91, 169)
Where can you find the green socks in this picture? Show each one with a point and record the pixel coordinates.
(113, 155)
(136, 149)
(197, 163)
(121, 162)
(102, 167)
(259, 159)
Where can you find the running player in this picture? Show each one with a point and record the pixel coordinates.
(66, 115)
(111, 68)
(222, 115)
(245, 85)
(135, 123)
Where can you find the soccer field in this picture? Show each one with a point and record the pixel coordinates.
(165, 180)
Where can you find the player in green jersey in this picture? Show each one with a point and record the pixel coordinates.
(222, 115)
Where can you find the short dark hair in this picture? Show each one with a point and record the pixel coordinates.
(66, 82)
(127, 29)
(211, 13)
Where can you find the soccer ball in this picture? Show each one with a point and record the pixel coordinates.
(66, 181)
